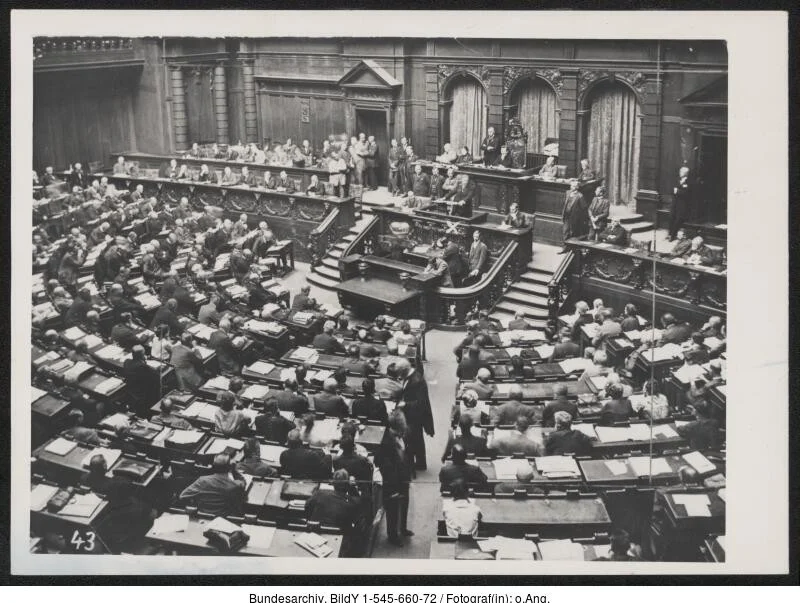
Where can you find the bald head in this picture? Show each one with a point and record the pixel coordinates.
(515, 392)
(484, 374)
(525, 473)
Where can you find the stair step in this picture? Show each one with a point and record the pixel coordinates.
(326, 271)
(525, 299)
(331, 263)
(630, 218)
(349, 237)
(529, 288)
(335, 253)
(505, 317)
(639, 226)
(341, 245)
(537, 267)
(320, 280)
(539, 278)
(527, 310)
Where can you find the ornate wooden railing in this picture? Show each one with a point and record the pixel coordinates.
(48, 46)
(322, 238)
(558, 287)
(457, 305)
(364, 243)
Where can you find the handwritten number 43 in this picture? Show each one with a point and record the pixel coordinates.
(80, 543)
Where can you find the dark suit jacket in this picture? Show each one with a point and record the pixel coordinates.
(491, 148)
(372, 408)
(332, 405)
(222, 344)
(165, 316)
(330, 508)
(216, 494)
(274, 428)
(300, 302)
(305, 463)
(421, 185)
(676, 333)
(290, 401)
(554, 406)
(327, 343)
(478, 256)
(566, 441)
(469, 473)
(567, 349)
(418, 404)
(701, 434)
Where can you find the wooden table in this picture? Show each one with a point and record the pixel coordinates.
(264, 541)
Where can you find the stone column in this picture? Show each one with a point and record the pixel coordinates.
(221, 104)
(250, 106)
(179, 119)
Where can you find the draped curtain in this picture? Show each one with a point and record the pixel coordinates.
(200, 106)
(467, 115)
(613, 139)
(537, 106)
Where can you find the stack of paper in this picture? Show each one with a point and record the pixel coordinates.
(557, 466)
(219, 382)
(699, 462)
(508, 548)
(599, 382)
(668, 351)
(116, 420)
(326, 430)
(617, 467)
(49, 357)
(37, 393)
(110, 352)
(329, 310)
(73, 334)
(289, 373)
(109, 385)
(623, 342)
(78, 370)
(260, 536)
(81, 505)
(205, 353)
(60, 447)
(62, 365)
(269, 309)
(696, 505)
(638, 432)
(586, 429)
(574, 365)
(220, 524)
(303, 317)
(305, 354)
(568, 319)
(544, 351)
(185, 436)
(664, 431)
(201, 410)
(641, 465)
(530, 335)
(92, 341)
(201, 331)
(110, 454)
(261, 367)
(689, 373)
(506, 469)
(560, 550)
(219, 445)
(255, 392)
(170, 523)
(41, 495)
(236, 291)
(271, 454)
(314, 543)
(320, 375)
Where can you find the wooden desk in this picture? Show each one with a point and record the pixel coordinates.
(452, 548)
(596, 473)
(290, 215)
(714, 549)
(682, 521)
(378, 295)
(264, 541)
(303, 332)
(541, 391)
(550, 516)
(538, 479)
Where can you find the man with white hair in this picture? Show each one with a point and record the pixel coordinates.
(524, 482)
(120, 168)
(326, 342)
(614, 233)
(329, 402)
(285, 184)
(508, 412)
(565, 440)
(78, 177)
(582, 316)
(228, 177)
(698, 253)
(713, 327)
(681, 202)
(481, 385)
(241, 228)
(151, 271)
(518, 323)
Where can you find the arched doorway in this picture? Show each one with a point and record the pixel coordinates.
(613, 134)
(535, 103)
(464, 114)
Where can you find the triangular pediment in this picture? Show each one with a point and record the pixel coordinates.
(714, 94)
(368, 74)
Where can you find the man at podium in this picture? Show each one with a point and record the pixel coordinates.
(459, 200)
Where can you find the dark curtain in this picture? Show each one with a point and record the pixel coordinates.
(200, 106)
(536, 107)
(467, 115)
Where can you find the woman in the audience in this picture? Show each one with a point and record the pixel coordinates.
(462, 516)
(653, 405)
(228, 420)
(618, 409)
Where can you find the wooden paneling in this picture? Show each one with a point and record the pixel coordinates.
(279, 116)
(82, 116)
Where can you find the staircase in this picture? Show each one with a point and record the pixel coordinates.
(326, 275)
(529, 293)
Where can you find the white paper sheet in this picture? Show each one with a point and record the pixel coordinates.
(41, 495)
(699, 462)
(222, 525)
(696, 505)
(170, 523)
(60, 447)
(560, 550)
(641, 465)
(617, 467)
(506, 469)
(557, 464)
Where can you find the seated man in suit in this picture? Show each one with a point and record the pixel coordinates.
(518, 323)
(674, 331)
(582, 317)
(614, 234)
(524, 478)
(609, 328)
(619, 408)
(302, 301)
(421, 183)
(368, 405)
(481, 385)
(247, 179)
(269, 181)
(682, 245)
(325, 341)
(470, 363)
(458, 468)
(329, 402)
(559, 403)
(515, 441)
(271, 424)
(338, 507)
(703, 432)
(166, 417)
(353, 363)
(251, 463)
(221, 493)
(166, 315)
(503, 160)
(472, 444)
(207, 175)
(565, 348)
(289, 399)
(508, 412)
(79, 433)
(303, 463)
(378, 331)
(228, 177)
(516, 218)
(699, 253)
(565, 440)
(285, 183)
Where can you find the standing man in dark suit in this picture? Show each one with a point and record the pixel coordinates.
(575, 215)
(78, 177)
(491, 147)
(421, 183)
(464, 197)
(372, 163)
(478, 258)
(681, 203)
(416, 406)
